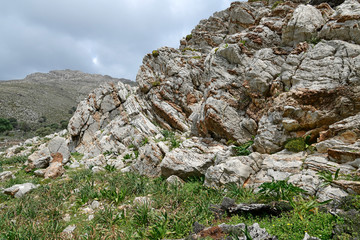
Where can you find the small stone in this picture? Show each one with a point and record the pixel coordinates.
(142, 201)
(39, 173)
(75, 164)
(97, 169)
(91, 217)
(6, 175)
(67, 217)
(95, 204)
(175, 180)
(69, 229)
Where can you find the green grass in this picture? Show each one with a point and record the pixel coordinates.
(170, 214)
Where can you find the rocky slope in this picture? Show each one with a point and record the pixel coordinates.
(253, 72)
(266, 76)
(50, 94)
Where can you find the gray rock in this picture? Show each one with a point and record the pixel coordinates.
(302, 26)
(19, 190)
(95, 204)
(148, 161)
(254, 231)
(6, 175)
(234, 170)
(346, 16)
(174, 180)
(97, 169)
(74, 164)
(59, 145)
(40, 172)
(69, 229)
(308, 237)
(39, 159)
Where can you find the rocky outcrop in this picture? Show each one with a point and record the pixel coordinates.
(252, 73)
(19, 190)
(51, 157)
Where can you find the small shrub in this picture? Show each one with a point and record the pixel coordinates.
(155, 83)
(188, 37)
(276, 4)
(19, 149)
(44, 131)
(127, 156)
(174, 143)
(113, 194)
(328, 177)
(159, 229)
(243, 150)
(279, 190)
(155, 53)
(314, 40)
(142, 215)
(110, 168)
(5, 125)
(107, 153)
(144, 141)
(296, 145)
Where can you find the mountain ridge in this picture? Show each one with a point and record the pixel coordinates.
(51, 94)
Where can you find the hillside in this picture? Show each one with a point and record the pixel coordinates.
(54, 95)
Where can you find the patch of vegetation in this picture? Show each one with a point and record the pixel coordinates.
(144, 141)
(107, 153)
(19, 149)
(171, 213)
(155, 53)
(13, 160)
(296, 145)
(279, 190)
(243, 42)
(156, 83)
(276, 4)
(188, 37)
(196, 57)
(243, 150)
(110, 168)
(328, 177)
(170, 136)
(314, 40)
(44, 131)
(77, 156)
(5, 125)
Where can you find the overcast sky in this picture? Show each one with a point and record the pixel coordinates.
(94, 36)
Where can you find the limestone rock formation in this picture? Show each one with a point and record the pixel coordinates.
(252, 73)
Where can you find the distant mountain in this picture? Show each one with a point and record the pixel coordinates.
(52, 95)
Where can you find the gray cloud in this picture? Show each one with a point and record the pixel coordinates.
(107, 37)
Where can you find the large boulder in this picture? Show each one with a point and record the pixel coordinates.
(303, 25)
(59, 145)
(344, 24)
(39, 159)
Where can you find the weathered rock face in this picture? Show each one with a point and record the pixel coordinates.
(50, 158)
(303, 24)
(252, 72)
